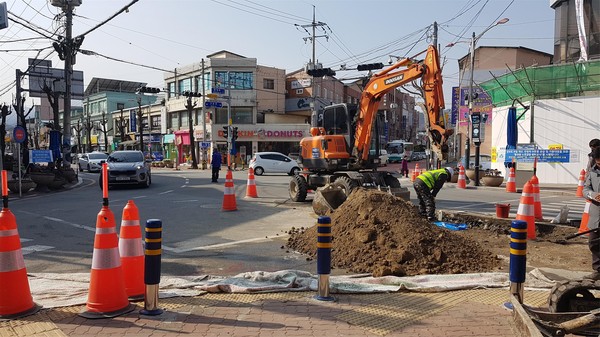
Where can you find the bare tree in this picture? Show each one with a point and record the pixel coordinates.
(22, 121)
(78, 128)
(5, 110)
(87, 125)
(122, 124)
(104, 129)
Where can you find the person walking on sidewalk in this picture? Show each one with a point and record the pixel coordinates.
(594, 143)
(404, 169)
(215, 164)
(591, 189)
(427, 185)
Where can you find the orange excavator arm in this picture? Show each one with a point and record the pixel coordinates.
(429, 71)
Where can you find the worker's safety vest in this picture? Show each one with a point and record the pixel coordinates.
(430, 177)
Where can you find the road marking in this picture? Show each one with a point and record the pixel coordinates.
(226, 244)
(35, 248)
(165, 192)
(88, 228)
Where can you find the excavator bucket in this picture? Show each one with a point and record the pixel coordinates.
(328, 198)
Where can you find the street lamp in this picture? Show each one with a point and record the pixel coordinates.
(474, 121)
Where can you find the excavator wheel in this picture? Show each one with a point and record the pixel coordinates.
(298, 188)
(575, 296)
(346, 184)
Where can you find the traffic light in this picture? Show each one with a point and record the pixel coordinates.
(370, 66)
(191, 94)
(149, 90)
(226, 131)
(234, 133)
(320, 72)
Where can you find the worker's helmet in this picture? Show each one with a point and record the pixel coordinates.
(450, 171)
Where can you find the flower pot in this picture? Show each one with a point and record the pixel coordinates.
(26, 185)
(42, 178)
(470, 173)
(493, 181)
(454, 178)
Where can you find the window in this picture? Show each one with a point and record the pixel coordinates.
(299, 91)
(173, 121)
(171, 89)
(185, 85)
(239, 115)
(156, 122)
(237, 80)
(268, 83)
(207, 83)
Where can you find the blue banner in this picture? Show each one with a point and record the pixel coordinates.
(40, 156)
(543, 156)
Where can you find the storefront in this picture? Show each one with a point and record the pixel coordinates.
(283, 138)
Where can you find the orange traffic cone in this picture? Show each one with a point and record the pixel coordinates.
(251, 185)
(537, 202)
(131, 250)
(15, 296)
(462, 180)
(107, 297)
(526, 210)
(414, 173)
(583, 227)
(580, 184)
(511, 185)
(229, 203)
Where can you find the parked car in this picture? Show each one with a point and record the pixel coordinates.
(384, 157)
(128, 167)
(485, 161)
(92, 162)
(273, 162)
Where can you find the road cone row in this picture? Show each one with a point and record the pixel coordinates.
(462, 179)
(229, 202)
(107, 296)
(15, 295)
(511, 185)
(251, 185)
(526, 211)
(583, 226)
(536, 198)
(580, 183)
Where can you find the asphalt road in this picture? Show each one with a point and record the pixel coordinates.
(57, 228)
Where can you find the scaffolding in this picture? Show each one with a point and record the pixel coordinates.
(545, 82)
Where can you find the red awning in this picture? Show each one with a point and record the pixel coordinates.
(182, 137)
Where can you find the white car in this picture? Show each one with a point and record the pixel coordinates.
(384, 157)
(273, 162)
(92, 162)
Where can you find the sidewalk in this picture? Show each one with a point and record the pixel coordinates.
(478, 312)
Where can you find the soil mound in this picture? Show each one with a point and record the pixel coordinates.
(375, 232)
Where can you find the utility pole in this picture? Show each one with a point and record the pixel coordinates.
(204, 153)
(313, 64)
(190, 106)
(140, 124)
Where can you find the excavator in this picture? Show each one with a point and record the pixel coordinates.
(337, 155)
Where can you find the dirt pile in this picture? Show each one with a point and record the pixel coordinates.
(375, 232)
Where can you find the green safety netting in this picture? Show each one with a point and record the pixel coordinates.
(546, 82)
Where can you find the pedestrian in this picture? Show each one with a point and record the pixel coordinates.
(591, 191)
(404, 169)
(594, 143)
(215, 164)
(427, 185)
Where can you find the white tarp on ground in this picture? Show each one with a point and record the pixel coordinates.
(56, 290)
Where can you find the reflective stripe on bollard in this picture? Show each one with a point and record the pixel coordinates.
(324, 245)
(152, 256)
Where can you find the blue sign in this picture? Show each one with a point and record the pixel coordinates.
(218, 91)
(40, 156)
(543, 156)
(132, 121)
(209, 104)
(19, 134)
(205, 145)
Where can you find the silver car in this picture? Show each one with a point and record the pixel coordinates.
(92, 162)
(128, 168)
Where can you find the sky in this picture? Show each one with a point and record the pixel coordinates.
(157, 35)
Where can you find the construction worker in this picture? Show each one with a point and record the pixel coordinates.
(427, 185)
(591, 192)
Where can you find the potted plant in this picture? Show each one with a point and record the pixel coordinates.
(492, 178)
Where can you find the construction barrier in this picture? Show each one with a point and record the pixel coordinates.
(251, 185)
(107, 297)
(229, 202)
(537, 202)
(518, 258)
(462, 179)
(152, 260)
(511, 185)
(324, 246)
(580, 183)
(15, 295)
(583, 226)
(526, 210)
(131, 250)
